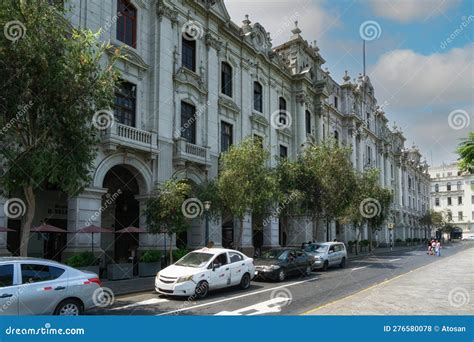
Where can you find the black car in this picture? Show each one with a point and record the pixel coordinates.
(277, 264)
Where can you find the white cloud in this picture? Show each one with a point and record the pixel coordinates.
(278, 17)
(406, 79)
(409, 10)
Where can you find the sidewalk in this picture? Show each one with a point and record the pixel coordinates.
(381, 250)
(444, 287)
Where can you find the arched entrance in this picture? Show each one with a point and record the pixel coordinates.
(122, 187)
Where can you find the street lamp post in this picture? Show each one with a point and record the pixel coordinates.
(207, 207)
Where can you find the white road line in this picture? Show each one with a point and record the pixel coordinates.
(143, 303)
(273, 305)
(358, 268)
(235, 297)
(394, 260)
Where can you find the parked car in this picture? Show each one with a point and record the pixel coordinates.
(31, 286)
(277, 264)
(203, 270)
(327, 254)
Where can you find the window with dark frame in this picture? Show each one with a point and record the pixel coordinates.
(307, 116)
(283, 113)
(226, 79)
(226, 136)
(127, 23)
(125, 104)
(283, 151)
(188, 122)
(188, 55)
(257, 97)
(258, 139)
(336, 136)
(335, 102)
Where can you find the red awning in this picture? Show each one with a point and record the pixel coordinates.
(131, 230)
(5, 229)
(93, 229)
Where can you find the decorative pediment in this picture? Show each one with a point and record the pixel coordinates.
(213, 41)
(259, 122)
(229, 104)
(261, 39)
(284, 135)
(130, 55)
(185, 76)
(163, 9)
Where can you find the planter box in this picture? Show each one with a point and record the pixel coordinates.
(119, 271)
(148, 269)
(94, 269)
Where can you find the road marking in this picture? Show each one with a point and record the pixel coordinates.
(143, 303)
(236, 297)
(394, 260)
(273, 305)
(358, 268)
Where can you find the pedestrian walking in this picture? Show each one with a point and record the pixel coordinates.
(433, 246)
(438, 248)
(429, 248)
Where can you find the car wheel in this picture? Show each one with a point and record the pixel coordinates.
(343, 263)
(281, 275)
(326, 266)
(202, 289)
(245, 281)
(308, 270)
(69, 307)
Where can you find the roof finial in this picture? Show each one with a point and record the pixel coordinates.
(296, 31)
(346, 78)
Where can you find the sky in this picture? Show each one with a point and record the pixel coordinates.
(419, 57)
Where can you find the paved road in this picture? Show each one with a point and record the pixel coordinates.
(291, 297)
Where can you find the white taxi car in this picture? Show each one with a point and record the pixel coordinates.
(203, 270)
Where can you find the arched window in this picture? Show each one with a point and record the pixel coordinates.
(188, 122)
(436, 187)
(125, 104)
(283, 113)
(459, 185)
(226, 79)
(127, 23)
(257, 97)
(188, 56)
(448, 186)
(336, 136)
(307, 116)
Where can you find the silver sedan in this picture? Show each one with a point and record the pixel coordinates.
(30, 286)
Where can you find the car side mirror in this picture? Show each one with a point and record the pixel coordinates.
(330, 252)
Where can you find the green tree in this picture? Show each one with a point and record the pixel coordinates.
(165, 210)
(245, 183)
(466, 153)
(54, 78)
(383, 200)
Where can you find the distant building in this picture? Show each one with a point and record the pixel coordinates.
(452, 193)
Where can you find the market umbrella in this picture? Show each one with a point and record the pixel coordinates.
(47, 228)
(131, 230)
(91, 229)
(5, 229)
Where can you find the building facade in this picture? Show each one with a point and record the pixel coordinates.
(452, 194)
(194, 83)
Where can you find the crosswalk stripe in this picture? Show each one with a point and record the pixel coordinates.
(143, 303)
(273, 305)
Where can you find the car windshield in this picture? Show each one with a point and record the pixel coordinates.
(274, 254)
(316, 248)
(194, 259)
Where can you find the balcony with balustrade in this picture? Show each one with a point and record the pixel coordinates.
(185, 153)
(127, 137)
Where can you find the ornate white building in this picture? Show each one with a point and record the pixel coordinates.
(195, 82)
(452, 193)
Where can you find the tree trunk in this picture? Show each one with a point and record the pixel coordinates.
(30, 214)
(171, 249)
(370, 237)
(241, 232)
(357, 241)
(328, 237)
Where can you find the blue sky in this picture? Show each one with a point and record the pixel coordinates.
(425, 83)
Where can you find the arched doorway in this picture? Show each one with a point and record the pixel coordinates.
(122, 186)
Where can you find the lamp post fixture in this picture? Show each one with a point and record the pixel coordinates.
(207, 207)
